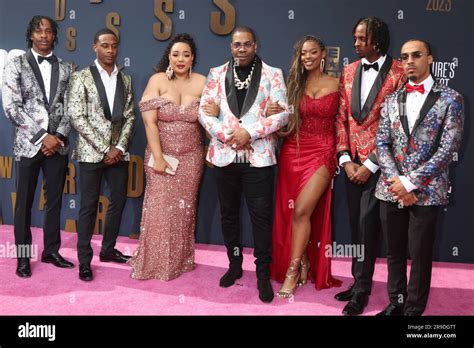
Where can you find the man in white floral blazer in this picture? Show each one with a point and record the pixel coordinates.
(242, 149)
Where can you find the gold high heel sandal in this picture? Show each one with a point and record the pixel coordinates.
(303, 271)
(291, 279)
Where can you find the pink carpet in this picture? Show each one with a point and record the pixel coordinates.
(54, 291)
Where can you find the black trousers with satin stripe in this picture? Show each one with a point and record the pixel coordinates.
(54, 174)
(364, 218)
(116, 177)
(257, 187)
(414, 228)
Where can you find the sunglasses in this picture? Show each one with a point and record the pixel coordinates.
(238, 45)
(415, 55)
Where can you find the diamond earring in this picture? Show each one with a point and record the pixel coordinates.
(169, 72)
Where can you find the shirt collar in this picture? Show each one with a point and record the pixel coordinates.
(36, 54)
(428, 83)
(379, 61)
(101, 69)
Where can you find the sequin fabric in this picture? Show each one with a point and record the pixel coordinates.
(316, 133)
(166, 245)
(317, 115)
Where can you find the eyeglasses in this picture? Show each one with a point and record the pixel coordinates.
(238, 45)
(415, 55)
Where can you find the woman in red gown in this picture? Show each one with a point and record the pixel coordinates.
(302, 223)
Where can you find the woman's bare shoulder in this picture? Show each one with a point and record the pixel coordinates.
(157, 78)
(200, 78)
(152, 89)
(332, 83)
(199, 81)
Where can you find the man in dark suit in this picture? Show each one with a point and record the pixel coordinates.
(34, 95)
(420, 131)
(104, 132)
(363, 87)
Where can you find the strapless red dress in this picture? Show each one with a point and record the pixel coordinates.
(298, 161)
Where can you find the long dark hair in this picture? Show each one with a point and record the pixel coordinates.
(296, 83)
(165, 60)
(379, 30)
(35, 23)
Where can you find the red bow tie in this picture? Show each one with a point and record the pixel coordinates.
(416, 88)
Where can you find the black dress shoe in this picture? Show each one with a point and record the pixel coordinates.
(391, 310)
(56, 260)
(229, 278)
(412, 314)
(345, 295)
(357, 304)
(265, 291)
(114, 256)
(23, 269)
(85, 272)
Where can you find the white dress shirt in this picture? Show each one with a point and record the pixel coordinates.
(368, 78)
(110, 84)
(45, 70)
(415, 101)
(366, 83)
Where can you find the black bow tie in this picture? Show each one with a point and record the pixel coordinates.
(50, 59)
(374, 66)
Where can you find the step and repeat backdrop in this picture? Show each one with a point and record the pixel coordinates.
(146, 26)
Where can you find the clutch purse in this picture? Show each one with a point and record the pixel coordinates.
(173, 162)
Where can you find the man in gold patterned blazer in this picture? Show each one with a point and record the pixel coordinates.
(101, 111)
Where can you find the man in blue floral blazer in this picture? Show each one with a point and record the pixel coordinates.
(419, 134)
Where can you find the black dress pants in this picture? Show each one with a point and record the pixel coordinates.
(91, 175)
(54, 173)
(414, 229)
(257, 186)
(364, 218)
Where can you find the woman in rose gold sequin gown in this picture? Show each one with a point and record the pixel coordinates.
(166, 246)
